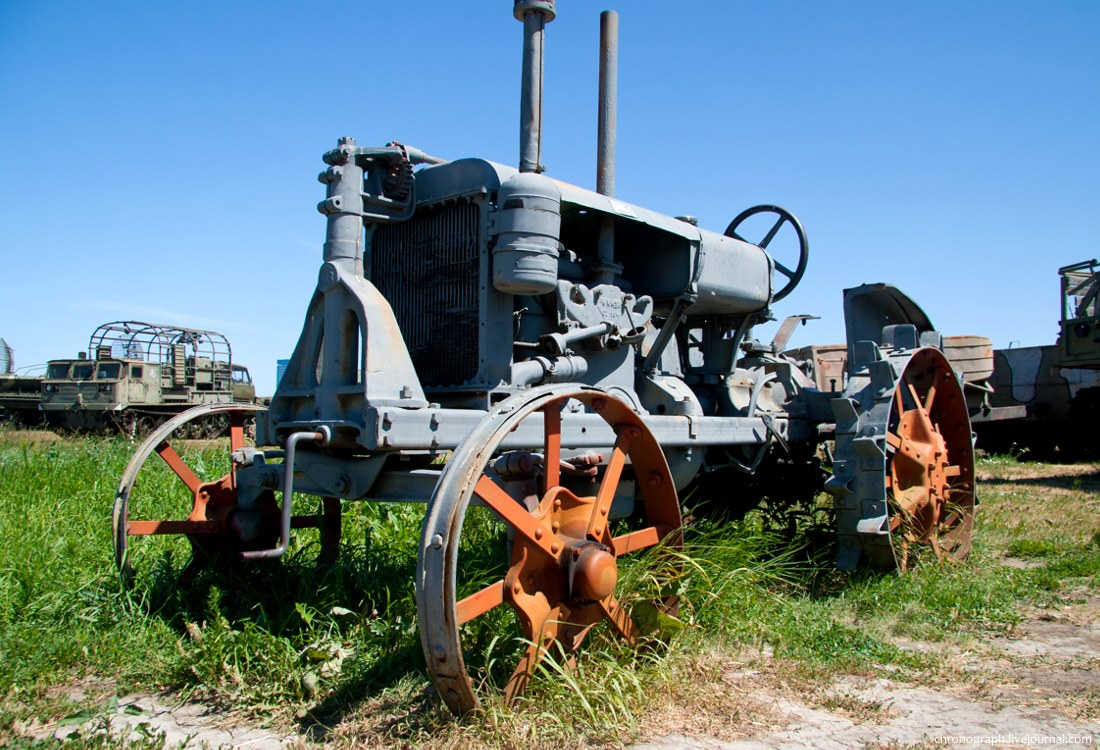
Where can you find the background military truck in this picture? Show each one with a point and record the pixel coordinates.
(136, 375)
(19, 394)
(1056, 387)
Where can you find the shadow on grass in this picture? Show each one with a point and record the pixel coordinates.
(365, 600)
(1088, 480)
(398, 716)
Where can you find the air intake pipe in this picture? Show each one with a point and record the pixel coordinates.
(527, 223)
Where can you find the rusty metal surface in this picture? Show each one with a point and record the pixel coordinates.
(564, 558)
(930, 469)
(197, 522)
(904, 462)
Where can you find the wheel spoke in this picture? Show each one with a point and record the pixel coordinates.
(931, 396)
(636, 540)
(597, 523)
(771, 232)
(146, 528)
(913, 392)
(620, 618)
(545, 634)
(551, 415)
(478, 604)
(176, 464)
(783, 269)
(909, 501)
(236, 430)
(515, 514)
(330, 523)
(925, 419)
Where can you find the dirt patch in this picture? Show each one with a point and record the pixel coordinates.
(1040, 686)
(179, 724)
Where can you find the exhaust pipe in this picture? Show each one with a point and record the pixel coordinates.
(607, 270)
(534, 14)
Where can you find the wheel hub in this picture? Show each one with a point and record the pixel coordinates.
(592, 572)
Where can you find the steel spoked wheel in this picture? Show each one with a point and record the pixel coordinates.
(189, 501)
(545, 520)
(929, 462)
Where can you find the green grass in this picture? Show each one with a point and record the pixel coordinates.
(333, 650)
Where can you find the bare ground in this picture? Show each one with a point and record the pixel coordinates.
(1039, 685)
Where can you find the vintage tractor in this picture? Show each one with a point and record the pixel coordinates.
(548, 368)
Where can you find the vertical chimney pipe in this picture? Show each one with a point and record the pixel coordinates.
(607, 270)
(534, 14)
(609, 95)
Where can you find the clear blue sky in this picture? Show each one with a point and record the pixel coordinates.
(158, 161)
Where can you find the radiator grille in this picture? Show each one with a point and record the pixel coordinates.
(428, 269)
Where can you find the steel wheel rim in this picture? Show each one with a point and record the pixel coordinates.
(929, 473)
(442, 615)
(197, 527)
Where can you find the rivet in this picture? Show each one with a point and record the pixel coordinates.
(437, 541)
(538, 533)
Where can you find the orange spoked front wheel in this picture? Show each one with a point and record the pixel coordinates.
(514, 491)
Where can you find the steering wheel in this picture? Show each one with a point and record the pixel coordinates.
(785, 216)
